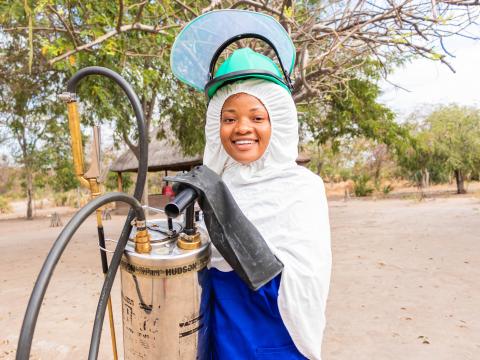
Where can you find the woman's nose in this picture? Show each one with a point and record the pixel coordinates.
(243, 127)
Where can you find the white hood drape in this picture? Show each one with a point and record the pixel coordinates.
(286, 203)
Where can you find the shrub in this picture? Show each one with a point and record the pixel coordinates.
(387, 189)
(5, 206)
(60, 198)
(360, 185)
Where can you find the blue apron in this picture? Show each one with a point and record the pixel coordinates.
(246, 324)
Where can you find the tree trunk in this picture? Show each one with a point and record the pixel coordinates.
(29, 179)
(460, 182)
(425, 178)
(319, 167)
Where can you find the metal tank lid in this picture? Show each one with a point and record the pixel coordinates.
(164, 243)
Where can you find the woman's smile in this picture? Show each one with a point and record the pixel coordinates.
(245, 144)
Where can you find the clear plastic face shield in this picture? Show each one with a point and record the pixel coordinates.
(200, 43)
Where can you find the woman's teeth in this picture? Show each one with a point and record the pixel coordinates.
(242, 142)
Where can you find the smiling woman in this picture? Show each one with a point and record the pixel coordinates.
(252, 143)
(245, 128)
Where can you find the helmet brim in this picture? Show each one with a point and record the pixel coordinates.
(215, 84)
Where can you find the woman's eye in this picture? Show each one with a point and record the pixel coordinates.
(227, 120)
(258, 118)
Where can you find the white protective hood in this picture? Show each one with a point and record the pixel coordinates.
(286, 203)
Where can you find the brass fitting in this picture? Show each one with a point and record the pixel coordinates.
(189, 242)
(76, 139)
(142, 241)
(95, 192)
(94, 188)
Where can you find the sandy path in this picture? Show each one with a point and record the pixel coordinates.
(405, 280)
(404, 286)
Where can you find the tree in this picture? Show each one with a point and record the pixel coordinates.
(130, 38)
(446, 141)
(28, 109)
(342, 50)
(456, 134)
(341, 47)
(418, 158)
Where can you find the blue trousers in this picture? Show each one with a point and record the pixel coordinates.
(246, 324)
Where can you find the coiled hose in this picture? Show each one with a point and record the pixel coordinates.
(34, 304)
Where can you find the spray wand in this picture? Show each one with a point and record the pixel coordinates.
(90, 179)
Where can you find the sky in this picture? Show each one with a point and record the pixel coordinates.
(431, 83)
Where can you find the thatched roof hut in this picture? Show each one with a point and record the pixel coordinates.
(162, 155)
(168, 155)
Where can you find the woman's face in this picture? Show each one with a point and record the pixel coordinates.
(245, 128)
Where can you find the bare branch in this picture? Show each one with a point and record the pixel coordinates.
(123, 28)
(37, 28)
(257, 4)
(186, 7)
(64, 23)
(120, 14)
(213, 4)
(139, 12)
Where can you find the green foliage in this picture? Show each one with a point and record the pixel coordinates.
(8, 179)
(445, 142)
(142, 57)
(337, 118)
(352, 110)
(112, 185)
(387, 189)
(456, 135)
(64, 178)
(70, 198)
(187, 112)
(361, 185)
(60, 198)
(5, 206)
(351, 158)
(28, 106)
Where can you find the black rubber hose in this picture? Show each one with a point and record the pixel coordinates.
(35, 302)
(25, 341)
(101, 243)
(104, 295)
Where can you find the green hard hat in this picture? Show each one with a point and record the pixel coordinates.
(242, 64)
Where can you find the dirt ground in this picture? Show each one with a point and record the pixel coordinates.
(404, 284)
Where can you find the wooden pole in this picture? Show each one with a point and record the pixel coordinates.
(119, 182)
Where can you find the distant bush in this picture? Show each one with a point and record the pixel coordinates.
(387, 189)
(5, 206)
(60, 198)
(70, 198)
(361, 186)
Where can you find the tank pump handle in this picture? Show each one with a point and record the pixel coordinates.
(184, 200)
